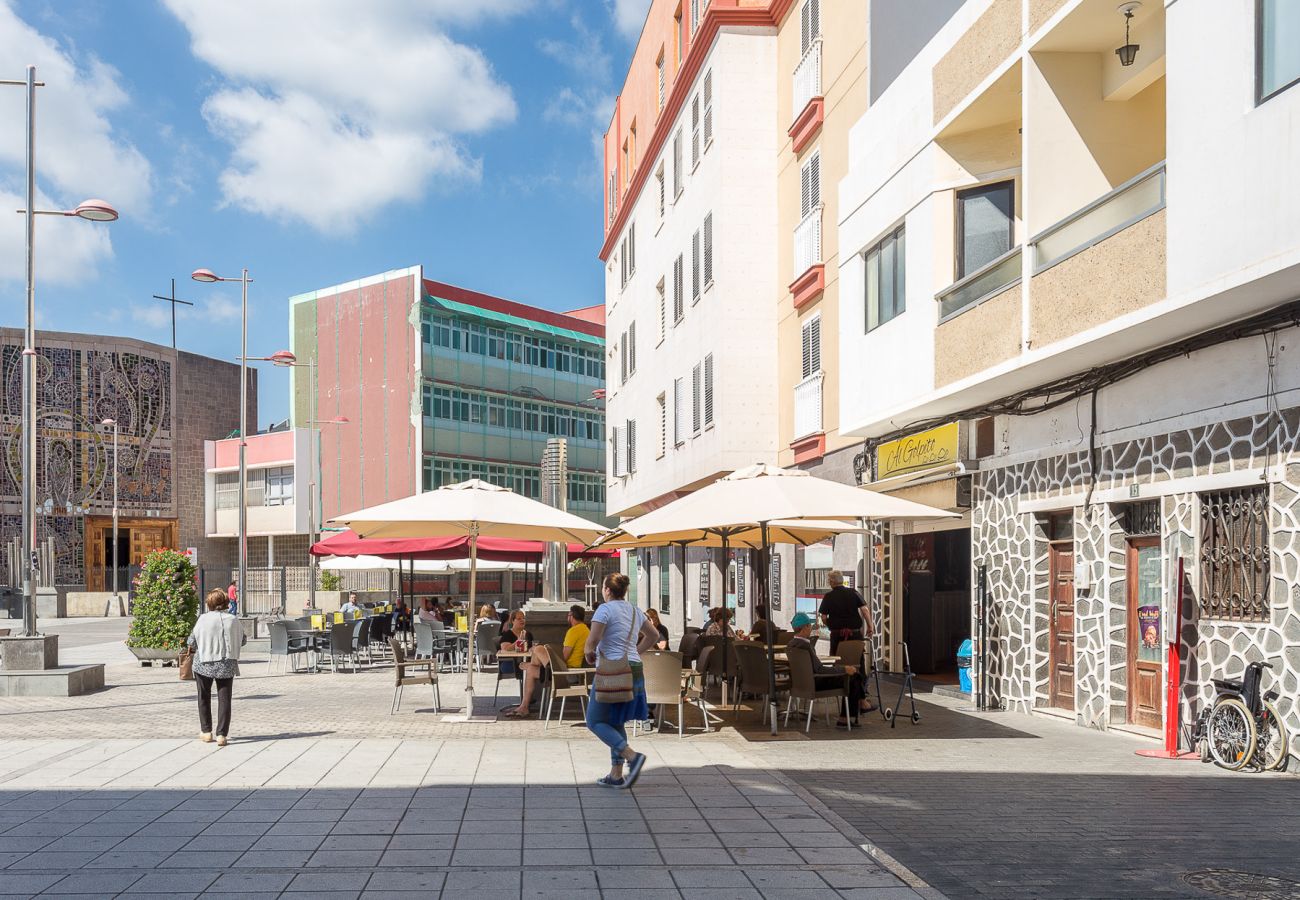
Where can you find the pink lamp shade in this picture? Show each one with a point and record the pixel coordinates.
(95, 210)
(204, 275)
(283, 358)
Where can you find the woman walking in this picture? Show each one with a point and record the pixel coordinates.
(215, 640)
(619, 632)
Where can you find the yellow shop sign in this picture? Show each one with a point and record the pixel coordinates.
(917, 452)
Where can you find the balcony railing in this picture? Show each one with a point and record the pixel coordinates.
(1128, 204)
(992, 278)
(808, 77)
(808, 406)
(808, 242)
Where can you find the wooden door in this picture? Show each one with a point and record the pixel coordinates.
(1061, 647)
(96, 545)
(145, 539)
(1145, 634)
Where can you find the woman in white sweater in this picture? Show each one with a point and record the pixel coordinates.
(216, 639)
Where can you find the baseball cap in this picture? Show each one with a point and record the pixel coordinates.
(801, 619)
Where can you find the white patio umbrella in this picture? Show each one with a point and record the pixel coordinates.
(759, 496)
(790, 531)
(473, 508)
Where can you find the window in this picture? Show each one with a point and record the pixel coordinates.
(708, 250)
(659, 182)
(631, 152)
(279, 486)
(810, 24)
(612, 194)
(810, 185)
(662, 65)
(663, 311)
(812, 346)
(695, 17)
(708, 109)
(1235, 554)
(631, 349)
(662, 400)
(679, 411)
(617, 439)
(627, 254)
(677, 164)
(985, 225)
(627, 169)
(665, 578)
(695, 399)
(677, 37)
(631, 446)
(886, 279)
(695, 266)
(1277, 46)
(679, 306)
(708, 390)
(227, 489)
(695, 131)
(622, 358)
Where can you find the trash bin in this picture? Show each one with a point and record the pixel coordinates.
(963, 664)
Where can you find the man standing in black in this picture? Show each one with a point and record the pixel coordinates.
(846, 616)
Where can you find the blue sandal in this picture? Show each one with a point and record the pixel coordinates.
(610, 782)
(634, 770)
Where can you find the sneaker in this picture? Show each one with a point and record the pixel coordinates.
(606, 781)
(634, 770)
(221, 740)
(206, 737)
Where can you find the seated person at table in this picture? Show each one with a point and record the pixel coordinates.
(720, 624)
(350, 605)
(430, 613)
(662, 643)
(825, 675)
(401, 616)
(575, 641)
(514, 631)
(448, 612)
(759, 629)
(487, 613)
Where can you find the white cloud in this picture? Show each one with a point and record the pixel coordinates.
(222, 309)
(155, 315)
(629, 16)
(335, 109)
(78, 155)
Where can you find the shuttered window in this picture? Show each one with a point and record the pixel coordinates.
(663, 425)
(630, 431)
(810, 184)
(663, 79)
(631, 349)
(663, 311)
(695, 130)
(659, 179)
(622, 358)
(679, 411)
(620, 451)
(708, 108)
(810, 24)
(708, 250)
(696, 385)
(679, 304)
(812, 346)
(708, 390)
(677, 163)
(695, 266)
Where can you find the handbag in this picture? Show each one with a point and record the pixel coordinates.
(186, 663)
(613, 681)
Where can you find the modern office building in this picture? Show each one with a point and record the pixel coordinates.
(166, 404)
(439, 384)
(1068, 303)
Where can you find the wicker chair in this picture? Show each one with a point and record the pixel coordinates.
(425, 671)
(564, 685)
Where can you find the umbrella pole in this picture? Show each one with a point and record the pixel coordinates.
(767, 605)
(726, 621)
(469, 619)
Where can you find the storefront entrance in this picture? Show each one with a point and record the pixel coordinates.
(936, 599)
(1144, 632)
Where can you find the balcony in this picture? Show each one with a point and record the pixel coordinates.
(807, 103)
(810, 273)
(1101, 262)
(808, 407)
(988, 281)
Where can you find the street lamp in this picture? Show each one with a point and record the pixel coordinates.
(286, 359)
(106, 423)
(91, 210)
(206, 276)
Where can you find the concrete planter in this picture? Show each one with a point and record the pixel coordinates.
(151, 655)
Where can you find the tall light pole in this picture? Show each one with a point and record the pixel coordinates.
(287, 359)
(113, 423)
(94, 211)
(207, 277)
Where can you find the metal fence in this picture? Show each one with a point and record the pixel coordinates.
(269, 588)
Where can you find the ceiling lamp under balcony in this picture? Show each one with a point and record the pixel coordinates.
(1129, 51)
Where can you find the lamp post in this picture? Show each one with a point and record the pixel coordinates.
(106, 423)
(286, 359)
(206, 276)
(91, 210)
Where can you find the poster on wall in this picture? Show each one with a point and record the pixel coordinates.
(774, 583)
(1149, 636)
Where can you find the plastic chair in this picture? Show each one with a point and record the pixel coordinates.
(286, 645)
(427, 674)
(342, 645)
(487, 636)
(423, 641)
(361, 638)
(803, 687)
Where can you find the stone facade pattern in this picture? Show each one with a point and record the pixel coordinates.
(1012, 545)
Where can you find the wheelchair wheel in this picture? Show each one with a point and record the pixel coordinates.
(1273, 739)
(1230, 732)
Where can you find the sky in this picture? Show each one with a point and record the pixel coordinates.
(313, 142)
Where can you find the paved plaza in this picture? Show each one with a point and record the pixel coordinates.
(322, 792)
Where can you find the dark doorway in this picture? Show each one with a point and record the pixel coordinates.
(936, 600)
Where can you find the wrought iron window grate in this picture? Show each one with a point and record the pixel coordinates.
(1235, 554)
(1142, 518)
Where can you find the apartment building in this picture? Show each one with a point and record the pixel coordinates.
(439, 383)
(690, 249)
(1068, 303)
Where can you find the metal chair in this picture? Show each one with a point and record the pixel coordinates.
(751, 660)
(564, 685)
(803, 687)
(427, 674)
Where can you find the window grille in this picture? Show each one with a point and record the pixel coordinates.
(1235, 554)
(1142, 518)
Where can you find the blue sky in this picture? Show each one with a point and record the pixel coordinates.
(313, 141)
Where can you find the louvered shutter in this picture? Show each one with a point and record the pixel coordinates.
(695, 129)
(677, 163)
(695, 266)
(631, 445)
(695, 398)
(622, 358)
(631, 348)
(708, 389)
(812, 346)
(678, 288)
(708, 107)
(663, 312)
(679, 411)
(806, 355)
(810, 24)
(708, 249)
(660, 178)
(810, 185)
(631, 249)
(620, 456)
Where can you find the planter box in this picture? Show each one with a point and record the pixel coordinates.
(151, 655)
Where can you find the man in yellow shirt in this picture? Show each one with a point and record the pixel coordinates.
(575, 642)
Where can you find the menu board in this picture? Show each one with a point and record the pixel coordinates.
(774, 582)
(706, 565)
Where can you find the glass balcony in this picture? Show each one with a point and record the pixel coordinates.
(1129, 203)
(981, 284)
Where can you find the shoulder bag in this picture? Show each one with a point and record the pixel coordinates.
(613, 681)
(186, 663)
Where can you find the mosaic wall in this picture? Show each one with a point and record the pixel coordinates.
(1013, 547)
(78, 385)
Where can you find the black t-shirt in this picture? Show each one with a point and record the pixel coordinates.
(663, 633)
(840, 606)
(508, 636)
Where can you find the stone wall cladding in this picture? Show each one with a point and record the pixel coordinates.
(986, 44)
(1002, 539)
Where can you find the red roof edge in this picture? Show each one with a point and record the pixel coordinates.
(510, 307)
(595, 314)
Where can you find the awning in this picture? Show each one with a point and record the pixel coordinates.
(925, 476)
(346, 543)
(492, 315)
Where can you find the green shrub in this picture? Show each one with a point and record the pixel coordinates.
(166, 601)
(330, 581)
